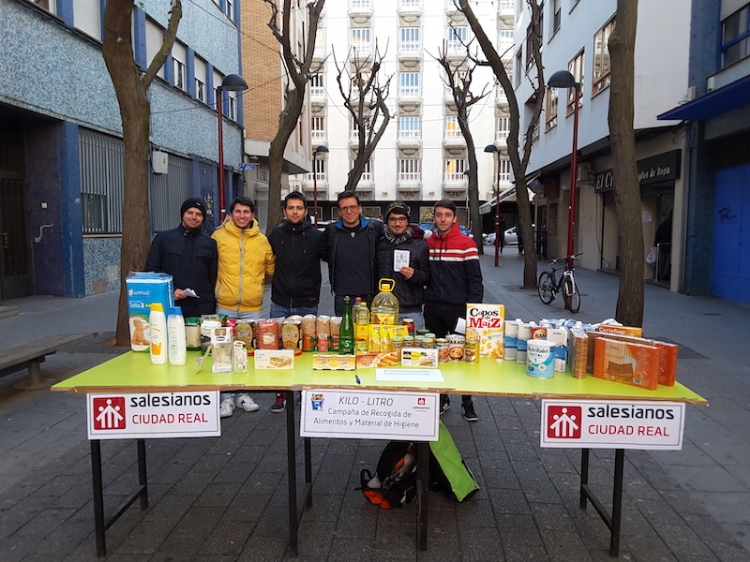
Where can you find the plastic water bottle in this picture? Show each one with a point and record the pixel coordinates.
(158, 334)
(177, 338)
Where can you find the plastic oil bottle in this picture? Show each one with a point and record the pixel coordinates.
(158, 334)
(385, 304)
(177, 339)
(361, 328)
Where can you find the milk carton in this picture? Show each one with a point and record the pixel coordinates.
(143, 290)
(487, 323)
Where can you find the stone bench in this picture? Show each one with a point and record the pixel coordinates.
(30, 355)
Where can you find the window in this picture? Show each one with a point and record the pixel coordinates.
(507, 39)
(409, 3)
(86, 17)
(457, 37)
(102, 162)
(179, 56)
(408, 127)
(200, 79)
(454, 170)
(319, 165)
(601, 58)
(154, 40)
(519, 69)
(452, 129)
(355, 129)
(502, 127)
(361, 39)
(408, 84)
(47, 5)
(504, 174)
(556, 15)
(575, 67)
(735, 37)
(317, 89)
(409, 169)
(360, 4)
(318, 129)
(409, 40)
(232, 103)
(229, 9)
(551, 109)
(532, 30)
(366, 173)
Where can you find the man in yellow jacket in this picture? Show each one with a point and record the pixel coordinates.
(245, 258)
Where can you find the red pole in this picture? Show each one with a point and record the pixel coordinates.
(497, 214)
(573, 179)
(315, 189)
(222, 201)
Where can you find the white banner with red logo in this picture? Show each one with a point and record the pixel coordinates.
(369, 414)
(153, 415)
(612, 424)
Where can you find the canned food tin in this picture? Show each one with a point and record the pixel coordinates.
(471, 350)
(456, 347)
(442, 347)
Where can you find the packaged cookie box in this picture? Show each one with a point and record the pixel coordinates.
(419, 357)
(486, 322)
(628, 363)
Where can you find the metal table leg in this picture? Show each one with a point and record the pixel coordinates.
(613, 521)
(423, 476)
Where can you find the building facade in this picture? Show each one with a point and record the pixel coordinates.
(61, 148)
(574, 38)
(717, 160)
(422, 156)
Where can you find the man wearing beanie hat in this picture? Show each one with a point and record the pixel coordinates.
(456, 279)
(410, 279)
(190, 257)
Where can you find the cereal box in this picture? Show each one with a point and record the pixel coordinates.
(629, 363)
(487, 323)
(143, 290)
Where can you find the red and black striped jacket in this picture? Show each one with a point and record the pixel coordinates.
(456, 276)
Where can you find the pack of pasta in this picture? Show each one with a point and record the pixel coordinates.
(486, 322)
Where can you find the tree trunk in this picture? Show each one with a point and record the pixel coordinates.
(630, 298)
(131, 89)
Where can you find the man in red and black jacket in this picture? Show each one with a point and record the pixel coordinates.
(456, 279)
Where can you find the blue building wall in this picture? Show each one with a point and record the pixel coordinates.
(59, 77)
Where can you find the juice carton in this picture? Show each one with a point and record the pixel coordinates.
(629, 363)
(487, 323)
(143, 290)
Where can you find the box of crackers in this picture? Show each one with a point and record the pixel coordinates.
(486, 322)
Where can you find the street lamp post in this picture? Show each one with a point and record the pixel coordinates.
(564, 79)
(492, 148)
(230, 83)
(319, 150)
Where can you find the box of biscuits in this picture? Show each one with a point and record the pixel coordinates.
(486, 322)
(274, 359)
(628, 363)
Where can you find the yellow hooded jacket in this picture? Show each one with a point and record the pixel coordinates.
(245, 257)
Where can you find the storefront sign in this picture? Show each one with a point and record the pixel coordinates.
(656, 169)
(354, 414)
(612, 424)
(153, 415)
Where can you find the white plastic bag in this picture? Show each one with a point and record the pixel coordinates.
(651, 257)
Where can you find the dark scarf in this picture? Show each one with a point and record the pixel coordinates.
(401, 239)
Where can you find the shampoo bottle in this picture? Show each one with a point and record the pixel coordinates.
(158, 334)
(177, 338)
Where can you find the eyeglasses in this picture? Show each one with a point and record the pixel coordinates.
(398, 219)
(348, 209)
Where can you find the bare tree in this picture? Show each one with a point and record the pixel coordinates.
(365, 98)
(630, 298)
(131, 88)
(519, 158)
(458, 78)
(299, 72)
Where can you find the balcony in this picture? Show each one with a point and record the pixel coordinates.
(507, 7)
(407, 139)
(317, 96)
(360, 7)
(410, 50)
(409, 6)
(409, 193)
(454, 139)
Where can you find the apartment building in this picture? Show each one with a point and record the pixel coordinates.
(574, 38)
(61, 148)
(422, 156)
(717, 157)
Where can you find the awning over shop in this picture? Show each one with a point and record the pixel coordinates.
(729, 97)
(509, 193)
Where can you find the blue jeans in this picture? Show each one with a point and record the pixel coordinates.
(252, 315)
(418, 318)
(278, 311)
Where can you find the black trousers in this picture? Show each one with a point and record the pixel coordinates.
(441, 319)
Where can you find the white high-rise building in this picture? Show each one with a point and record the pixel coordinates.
(422, 156)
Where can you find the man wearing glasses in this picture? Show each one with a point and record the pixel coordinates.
(351, 252)
(402, 246)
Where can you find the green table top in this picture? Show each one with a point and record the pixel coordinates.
(134, 372)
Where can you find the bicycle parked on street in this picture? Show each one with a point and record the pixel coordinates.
(549, 284)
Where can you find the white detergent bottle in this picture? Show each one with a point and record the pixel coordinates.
(177, 339)
(158, 334)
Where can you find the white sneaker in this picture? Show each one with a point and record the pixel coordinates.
(246, 403)
(226, 408)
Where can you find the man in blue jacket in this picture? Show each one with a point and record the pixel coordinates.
(190, 257)
(351, 245)
(295, 288)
